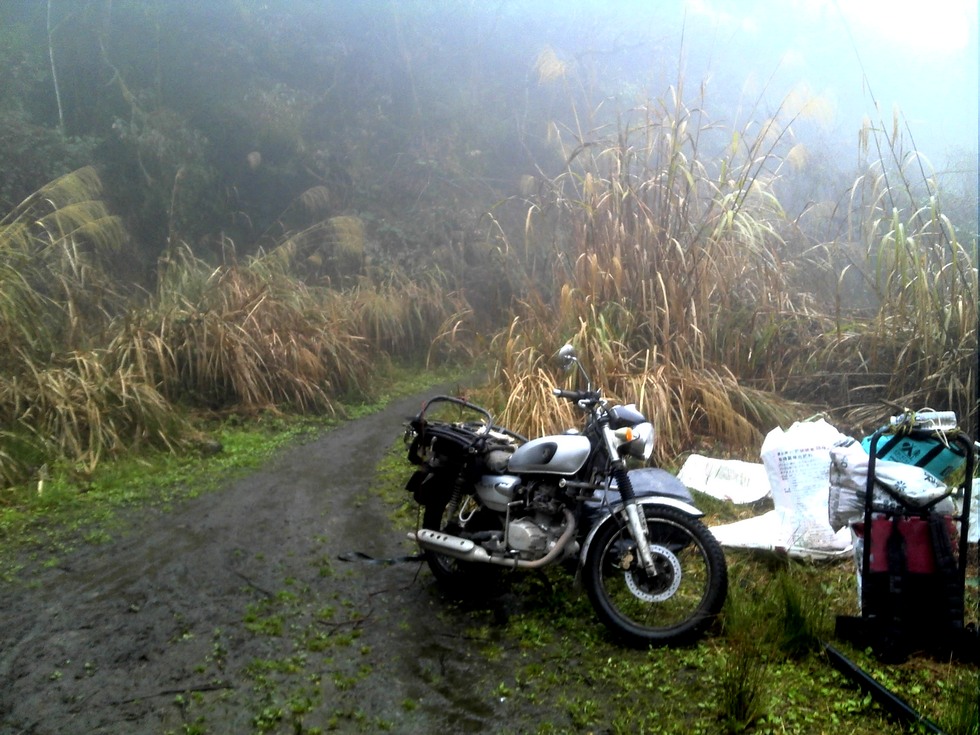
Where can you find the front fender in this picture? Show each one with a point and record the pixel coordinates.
(649, 500)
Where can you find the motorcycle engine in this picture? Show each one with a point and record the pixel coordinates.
(526, 536)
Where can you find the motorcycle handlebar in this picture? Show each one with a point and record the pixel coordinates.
(589, 396)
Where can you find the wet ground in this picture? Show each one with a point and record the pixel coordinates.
(231, 613)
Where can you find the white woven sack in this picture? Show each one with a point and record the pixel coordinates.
(914, 486)
(797, 463)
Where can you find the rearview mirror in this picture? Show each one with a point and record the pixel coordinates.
(567, 357)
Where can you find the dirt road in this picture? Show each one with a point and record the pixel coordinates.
(231, 613)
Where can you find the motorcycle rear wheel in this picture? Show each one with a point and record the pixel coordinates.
(455, 576)
(676, 605)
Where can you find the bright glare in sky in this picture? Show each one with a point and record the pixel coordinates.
(869, 56)
(937, 26)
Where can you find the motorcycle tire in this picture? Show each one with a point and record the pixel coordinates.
(676, 605)
(460, 578)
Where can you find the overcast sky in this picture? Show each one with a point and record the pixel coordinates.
(850, 55)
(918, 55)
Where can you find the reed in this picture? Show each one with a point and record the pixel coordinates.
(63, 397)
(686, 405)
(669, 275)
(399, 314)
(54, 284)
(255, 334)
(87, 373)
(83, 408)
(245, 336)
(916, 346)
(686, 285)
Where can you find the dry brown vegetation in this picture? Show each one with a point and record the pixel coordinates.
(661, 248)
(88, 371)
(689, 289)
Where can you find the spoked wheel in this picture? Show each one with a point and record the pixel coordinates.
(458, 577)
(672, 605)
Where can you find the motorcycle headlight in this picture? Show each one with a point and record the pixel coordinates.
(637, 440)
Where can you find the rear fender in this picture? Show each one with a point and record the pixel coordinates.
(649, 501)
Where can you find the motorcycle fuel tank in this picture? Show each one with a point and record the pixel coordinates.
(563, 454)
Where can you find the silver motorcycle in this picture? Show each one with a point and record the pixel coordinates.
(493, 500)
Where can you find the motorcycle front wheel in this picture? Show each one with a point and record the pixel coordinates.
(675, 604)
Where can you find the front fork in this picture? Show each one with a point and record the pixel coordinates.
(635, 519)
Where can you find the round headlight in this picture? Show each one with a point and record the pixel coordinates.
(642, 444)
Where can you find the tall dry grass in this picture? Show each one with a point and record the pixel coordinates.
(62, 395)
(243, 336)
(86, 372)
(263, 331)
(917, 346)
(689, 290)
(54, 286)
(687, 405)
(669, 275)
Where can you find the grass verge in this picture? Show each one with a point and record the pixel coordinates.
(761, 671)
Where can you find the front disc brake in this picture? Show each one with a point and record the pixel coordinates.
(661, 587)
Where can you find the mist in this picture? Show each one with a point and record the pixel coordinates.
(479, 152)
(862, 59)
(293, 86)
(221, 217)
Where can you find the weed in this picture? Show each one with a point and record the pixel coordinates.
(258, 620)
(800, 619)
(743, 680)
(961, 711)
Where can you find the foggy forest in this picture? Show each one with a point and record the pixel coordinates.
(232, 205)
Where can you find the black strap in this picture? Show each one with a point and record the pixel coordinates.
(931, 454)
(883, 449)
(947, 569)
(892, 636)
(897, 566)
(364, 558)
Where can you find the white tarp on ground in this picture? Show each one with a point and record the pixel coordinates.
(775, 531)
(725, 479)
(797, 466)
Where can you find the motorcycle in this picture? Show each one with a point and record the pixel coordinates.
(493, 500)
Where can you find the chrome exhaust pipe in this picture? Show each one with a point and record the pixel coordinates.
(467, 550)
(454, 546)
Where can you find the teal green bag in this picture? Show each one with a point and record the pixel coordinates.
(928, 452)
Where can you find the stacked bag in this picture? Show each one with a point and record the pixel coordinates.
(898, 485)
(910, 594)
